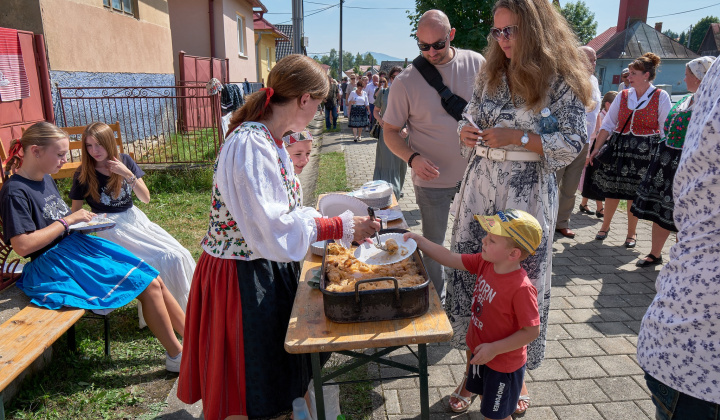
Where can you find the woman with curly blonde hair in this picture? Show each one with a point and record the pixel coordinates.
(525, 121)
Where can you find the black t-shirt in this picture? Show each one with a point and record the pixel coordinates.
(107, 203)
(27, 206)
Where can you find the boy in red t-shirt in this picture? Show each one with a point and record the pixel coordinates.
(504, 307)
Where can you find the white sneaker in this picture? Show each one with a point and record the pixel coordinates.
(172, 364)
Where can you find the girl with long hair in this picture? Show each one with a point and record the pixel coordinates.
(106, 180)
(74, 269)
(247, 276)
(533, 62)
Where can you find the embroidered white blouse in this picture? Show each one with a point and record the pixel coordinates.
(256, 211)
(610, 122)
(679, 339)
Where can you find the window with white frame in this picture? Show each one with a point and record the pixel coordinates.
(241, 34)
(267, 51)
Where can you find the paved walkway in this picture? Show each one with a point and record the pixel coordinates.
(598, 300)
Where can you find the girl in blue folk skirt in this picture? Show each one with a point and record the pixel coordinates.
(75, 270)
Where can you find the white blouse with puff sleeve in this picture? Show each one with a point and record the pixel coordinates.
(256, 211)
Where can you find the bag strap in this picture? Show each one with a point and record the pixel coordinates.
(453, 104)
(635, 109)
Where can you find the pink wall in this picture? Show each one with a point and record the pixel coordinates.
(241, 67)
(190, 26)
(190, 29)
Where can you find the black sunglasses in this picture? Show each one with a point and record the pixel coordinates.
(507, 32)
(436, 45)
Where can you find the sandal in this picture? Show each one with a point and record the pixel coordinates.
(464, 401)
(585, 209)
(630, 241)
(653, 261)
(600, 213)
(602, 234)
(525, 398)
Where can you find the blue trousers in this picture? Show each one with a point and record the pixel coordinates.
(671, 404)
(328, 112)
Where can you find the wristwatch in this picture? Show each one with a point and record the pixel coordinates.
(524, 139)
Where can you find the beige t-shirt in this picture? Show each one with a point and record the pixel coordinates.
(432, 131)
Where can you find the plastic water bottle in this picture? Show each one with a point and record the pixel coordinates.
(548, 122)
(300, 409)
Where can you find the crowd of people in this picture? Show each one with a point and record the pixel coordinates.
(522, 128)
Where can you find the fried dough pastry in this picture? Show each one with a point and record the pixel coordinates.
(343, 270)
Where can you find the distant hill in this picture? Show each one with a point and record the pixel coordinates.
(380, 57)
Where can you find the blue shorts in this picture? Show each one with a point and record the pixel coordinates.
(500, 391)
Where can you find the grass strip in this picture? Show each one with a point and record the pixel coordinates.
(331, 174)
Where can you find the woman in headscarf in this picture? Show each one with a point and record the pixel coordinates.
(654, 199)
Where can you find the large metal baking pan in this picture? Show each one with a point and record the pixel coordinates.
(377, 305)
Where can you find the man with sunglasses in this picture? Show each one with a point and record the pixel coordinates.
(433, 149)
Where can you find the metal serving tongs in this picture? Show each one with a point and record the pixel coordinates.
(377, 243)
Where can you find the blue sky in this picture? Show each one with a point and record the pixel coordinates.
(385, 27)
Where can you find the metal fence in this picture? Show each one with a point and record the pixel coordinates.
(160, 125)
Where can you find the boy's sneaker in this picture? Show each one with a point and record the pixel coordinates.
(172, 364)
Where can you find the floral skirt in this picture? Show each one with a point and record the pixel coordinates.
(630, 160)
(654, 200)
(358, 116)
(233, 350)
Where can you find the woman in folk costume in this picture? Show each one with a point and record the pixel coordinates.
(246, 279)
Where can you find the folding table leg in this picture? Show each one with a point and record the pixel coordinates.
(317, 382)
(422, 366)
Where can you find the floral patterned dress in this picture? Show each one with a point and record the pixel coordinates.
(489, 186)
(654, 199)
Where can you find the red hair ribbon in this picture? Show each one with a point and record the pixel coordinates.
(15, 150)
(268, 94)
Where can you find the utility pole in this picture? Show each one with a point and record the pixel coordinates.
(340, 73)
(689, 36)
(297, 17)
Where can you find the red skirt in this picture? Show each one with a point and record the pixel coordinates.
(233, 348)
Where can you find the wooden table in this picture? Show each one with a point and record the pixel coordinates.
(310, 331)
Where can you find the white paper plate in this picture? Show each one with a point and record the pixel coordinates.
(96, 226)
(318, 248)
(367, 253)
(333, 205)
(391, 214)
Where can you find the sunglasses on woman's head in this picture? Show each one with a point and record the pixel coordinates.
(508, 32)
(435, 45)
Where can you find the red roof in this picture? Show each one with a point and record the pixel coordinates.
(600, 40)
(260, 24)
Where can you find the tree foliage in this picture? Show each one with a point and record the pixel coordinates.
(350, 61)
(699, 31)
(471, 18)
(581, 19)
(683, 38)
(671, 34)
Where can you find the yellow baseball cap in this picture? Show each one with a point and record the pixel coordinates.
(519, 225)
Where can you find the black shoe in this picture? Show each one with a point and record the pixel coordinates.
(631, 241)
(653, 261)
(585, 209)
(600, 213)
(602, 235)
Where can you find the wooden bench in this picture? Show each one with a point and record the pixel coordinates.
(27, 335)
(73, 164)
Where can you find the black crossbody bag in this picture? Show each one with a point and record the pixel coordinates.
(604, 155)
(453, 104)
